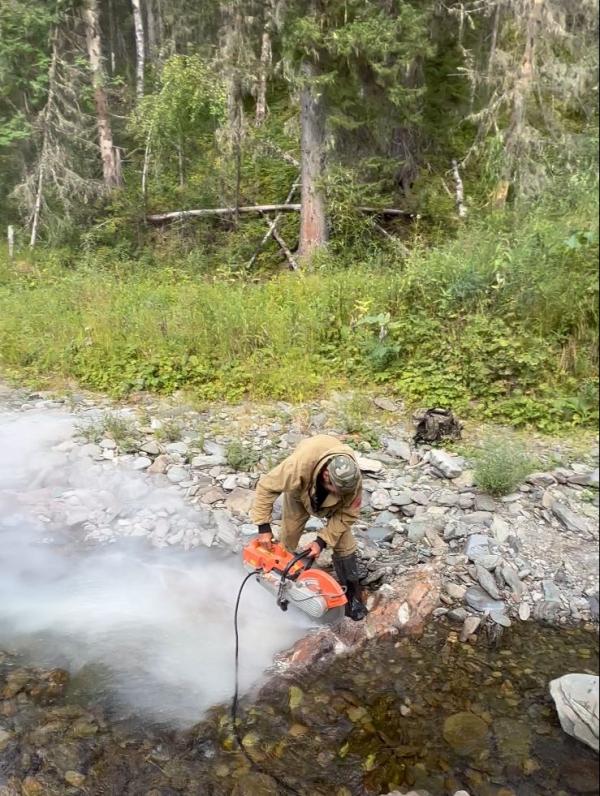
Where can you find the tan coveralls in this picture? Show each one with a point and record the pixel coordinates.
(296, 478)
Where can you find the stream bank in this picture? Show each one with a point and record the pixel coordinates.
(87, 478)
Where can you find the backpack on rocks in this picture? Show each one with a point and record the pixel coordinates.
(433, 425)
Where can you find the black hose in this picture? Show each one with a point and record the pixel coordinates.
(235, 700)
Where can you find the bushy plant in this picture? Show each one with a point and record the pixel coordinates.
(240, 457)
(501, 465)
(170, 430)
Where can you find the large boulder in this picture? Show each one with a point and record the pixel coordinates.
(576, 700)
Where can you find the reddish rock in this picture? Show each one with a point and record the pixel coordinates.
(401, 608)
(310, 649)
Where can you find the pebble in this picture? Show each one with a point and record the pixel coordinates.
(380, 500)
(398, 448)
(484, 503)
(177, 474)
(179, 448)
(524, 612)
(369, 465)
(571, 521)
(445, 498)
(487, 582)
(420, 498)
(511, 577)
(551, 591)
(500, 530)
(455, 590)
(403, 498)
(469, 627)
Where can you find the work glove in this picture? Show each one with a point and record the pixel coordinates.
(265, 536)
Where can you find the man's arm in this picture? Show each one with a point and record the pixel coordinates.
(286, 477)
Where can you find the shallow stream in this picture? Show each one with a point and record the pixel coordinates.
(429, 714)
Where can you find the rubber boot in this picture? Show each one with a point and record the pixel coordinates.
(346, 570)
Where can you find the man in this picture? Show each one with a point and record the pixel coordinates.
(321, 477)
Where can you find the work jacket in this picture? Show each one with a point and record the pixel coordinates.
(297, 476)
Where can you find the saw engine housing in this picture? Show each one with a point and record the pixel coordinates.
(292, 581)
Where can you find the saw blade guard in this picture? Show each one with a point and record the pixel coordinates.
(313, 591)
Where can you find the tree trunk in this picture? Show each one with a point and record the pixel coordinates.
(39, 194)
(140, 47)
(110, 163)
(263, 74)
(522, 90)
(313, 219)
(152, 33)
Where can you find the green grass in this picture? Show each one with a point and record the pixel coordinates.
(499, 323)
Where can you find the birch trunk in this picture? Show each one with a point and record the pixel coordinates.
(39, 194)
(261, 89)
(110, 163)
(140, 47)
(313, 218)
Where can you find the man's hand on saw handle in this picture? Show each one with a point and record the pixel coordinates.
(316, 548)
(265, 536)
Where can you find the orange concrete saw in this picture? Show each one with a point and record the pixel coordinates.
(292, 580)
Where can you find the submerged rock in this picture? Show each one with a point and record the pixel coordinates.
(255, 784)
(466, 733)
(576, 700)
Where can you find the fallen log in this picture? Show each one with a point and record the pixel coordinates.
(180, 215)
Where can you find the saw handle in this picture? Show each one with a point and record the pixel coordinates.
(296, 560)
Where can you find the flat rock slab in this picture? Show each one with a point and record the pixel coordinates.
(571, 521)
(576, 700)
(446, 464)
(369, 465)
(478, 599)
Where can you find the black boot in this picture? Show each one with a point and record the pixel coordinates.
(346, 570)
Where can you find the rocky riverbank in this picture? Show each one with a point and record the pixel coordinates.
(431, 543)
(530, 554)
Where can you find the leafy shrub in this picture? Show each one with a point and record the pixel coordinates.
(501, 466)
(240, 457)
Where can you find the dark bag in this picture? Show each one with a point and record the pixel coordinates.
(433, 425)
